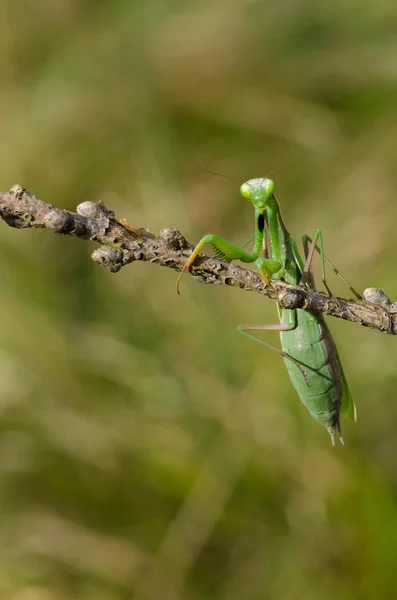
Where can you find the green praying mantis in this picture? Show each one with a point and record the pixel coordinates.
(308, 349)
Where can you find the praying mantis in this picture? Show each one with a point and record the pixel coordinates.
(308, 349)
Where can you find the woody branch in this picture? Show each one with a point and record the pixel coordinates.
(121, 244)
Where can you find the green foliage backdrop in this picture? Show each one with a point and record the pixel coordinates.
(146, 450)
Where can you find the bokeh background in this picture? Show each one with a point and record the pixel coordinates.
(146, 450)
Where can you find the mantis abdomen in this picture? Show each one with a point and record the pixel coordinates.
(312, 346)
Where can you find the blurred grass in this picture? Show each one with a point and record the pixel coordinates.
(146, 450)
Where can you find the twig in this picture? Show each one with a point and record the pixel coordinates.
(121, 244)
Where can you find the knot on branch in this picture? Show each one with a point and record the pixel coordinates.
(377, 296)
(60, 221)
(17, 211)
(94, 210)
(291, 298)
(174, 240)
(64, 222)
(81, 225)
(112, 258)
(18, 191)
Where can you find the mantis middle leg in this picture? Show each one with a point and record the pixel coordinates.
(309, 251)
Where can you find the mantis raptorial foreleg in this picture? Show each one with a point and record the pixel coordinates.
(226, 251)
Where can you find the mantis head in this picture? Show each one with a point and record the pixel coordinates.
(258, 191)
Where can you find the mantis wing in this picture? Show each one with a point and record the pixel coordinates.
(347, 406)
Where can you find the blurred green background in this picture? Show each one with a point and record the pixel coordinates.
(146, 450)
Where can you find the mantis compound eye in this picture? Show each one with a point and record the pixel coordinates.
(269, 186)
(245, 191)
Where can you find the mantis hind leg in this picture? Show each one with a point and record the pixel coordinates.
(291, 324)
(309, 252)
(268, 268)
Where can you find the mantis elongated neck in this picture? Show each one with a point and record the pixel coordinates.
(278, 234)
(259, 233)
